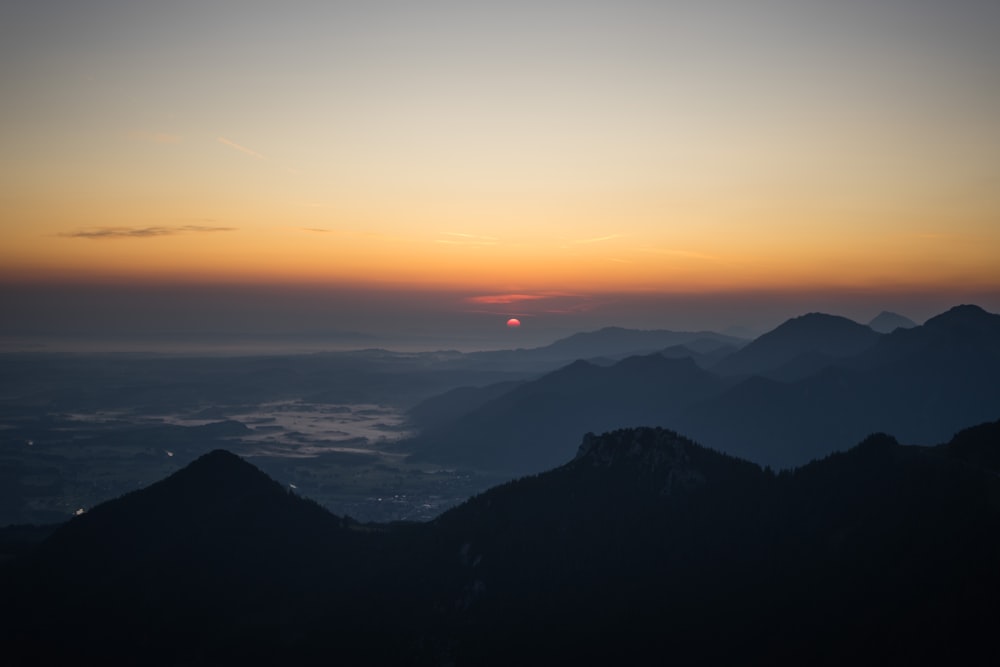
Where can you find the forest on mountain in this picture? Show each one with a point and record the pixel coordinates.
(644, 544)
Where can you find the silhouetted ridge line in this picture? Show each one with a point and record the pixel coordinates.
(817, 334)
(645, 543)
(964, 314)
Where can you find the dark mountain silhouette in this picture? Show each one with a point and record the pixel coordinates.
(216, 564)
(204, 506)
(536, 425)
(964, 333)
(644, 544)
(887, 322)
(817, 337)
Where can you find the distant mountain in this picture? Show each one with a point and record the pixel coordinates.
(644, 544)
(887, 322)
(537, 424)
(453, 404)
(817, 384)
(921, 383)
(811, 341)
(705, 353)
(616, 341)
(610, 342)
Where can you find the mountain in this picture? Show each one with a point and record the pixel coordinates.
(536, 425)
(875, 554)
(217, 563)
(820, 383)
(705, 353)
(611, 342)
(887, 322)
(922, 384)
(811, 341)
(644, 544)
(453, 404)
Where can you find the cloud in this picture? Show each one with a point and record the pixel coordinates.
(242, 149)
(529, 305)
(318, 230)
(505, 298)
(140, 232)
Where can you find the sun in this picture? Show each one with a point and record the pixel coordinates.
(513, 323)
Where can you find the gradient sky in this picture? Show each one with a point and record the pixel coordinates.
(516, 158)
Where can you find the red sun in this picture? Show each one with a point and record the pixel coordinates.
(513, 323)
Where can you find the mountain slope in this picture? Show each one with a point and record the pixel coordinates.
(815, 334)
(645, 544)
(884, 553)
(215, 564)
(537, 425)
(922, 384)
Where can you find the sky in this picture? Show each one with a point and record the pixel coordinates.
(429, 169)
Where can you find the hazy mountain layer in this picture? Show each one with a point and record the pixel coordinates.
(822, 383)
(887, 322)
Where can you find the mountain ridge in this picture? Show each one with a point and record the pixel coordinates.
(644, 543)
(923, 383)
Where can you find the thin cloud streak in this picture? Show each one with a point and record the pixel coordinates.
(505, 298)
(98, 233)
(243, 149)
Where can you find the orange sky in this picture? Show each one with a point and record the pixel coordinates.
(528, 147)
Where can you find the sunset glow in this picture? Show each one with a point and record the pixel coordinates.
(523, 150)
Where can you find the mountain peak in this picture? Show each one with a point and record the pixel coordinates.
(660, 461)
(887, 322)
(203, 505)
(651, 447)
(831, 336)
(963, 315)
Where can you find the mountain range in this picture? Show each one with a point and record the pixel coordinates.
(645, 546)
(814, 385)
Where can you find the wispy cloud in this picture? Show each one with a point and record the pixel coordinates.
(527, 305)
(317, 230)
(154, 137)
(458, 238)
(505, 298)
(140, 232)
(598, 239)
(242, 149)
